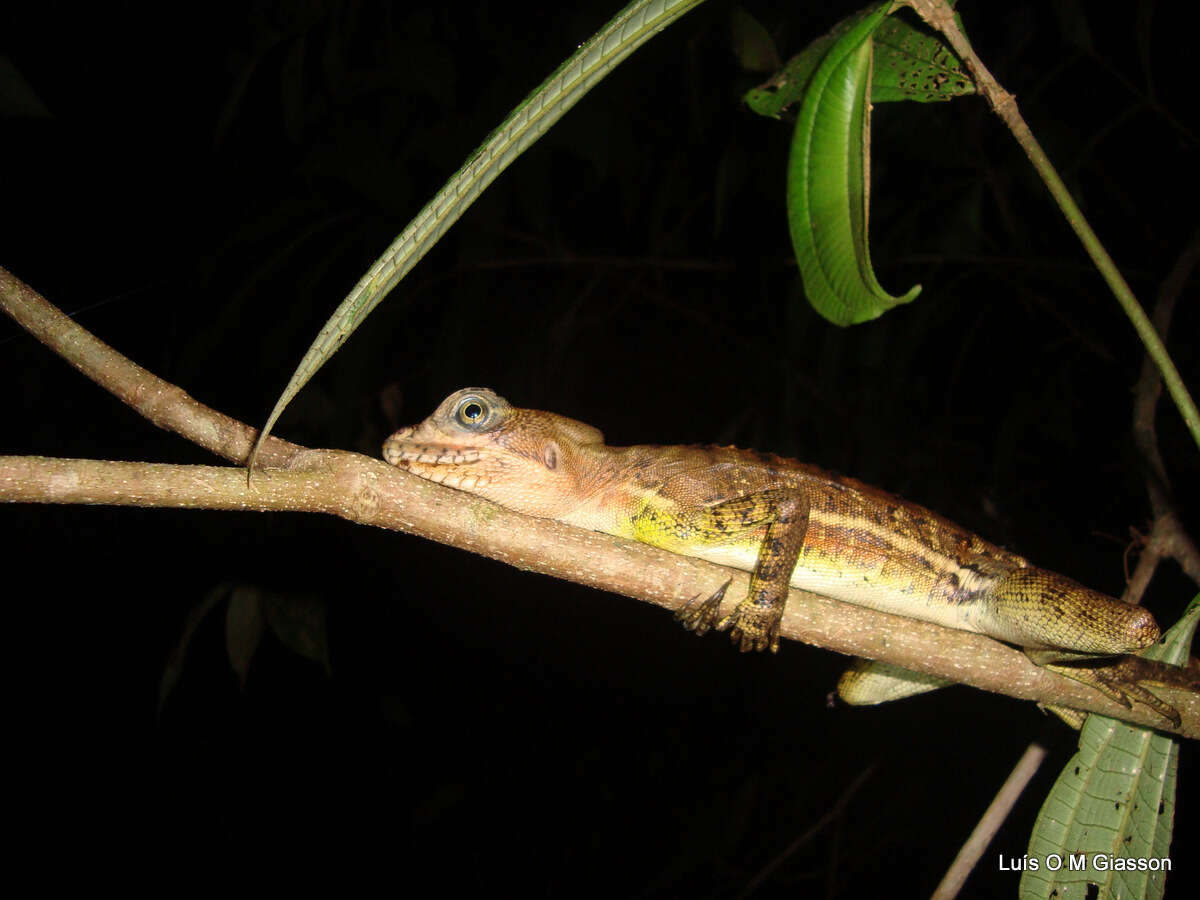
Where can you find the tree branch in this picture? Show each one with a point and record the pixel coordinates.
(370, 492)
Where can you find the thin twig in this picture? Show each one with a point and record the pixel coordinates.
(940, 16)
(809, 833)
(1006, 798)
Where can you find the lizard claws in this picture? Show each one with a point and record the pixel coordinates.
(698, 618)
(752, 628)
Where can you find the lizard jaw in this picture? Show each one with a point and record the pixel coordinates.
(439, 463)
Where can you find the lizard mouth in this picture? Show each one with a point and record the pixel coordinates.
(440, 463)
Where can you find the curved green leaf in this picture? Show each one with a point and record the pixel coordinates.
(829, 184)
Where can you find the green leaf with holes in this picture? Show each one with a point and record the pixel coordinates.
(910, 64)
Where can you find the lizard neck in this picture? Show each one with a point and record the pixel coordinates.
(612, 482)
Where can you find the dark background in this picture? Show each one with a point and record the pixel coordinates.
(201, 186)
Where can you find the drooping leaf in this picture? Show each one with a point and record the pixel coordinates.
(829, 184)
(244, 622)
(173, 668)
(752, 43)
(299, 621)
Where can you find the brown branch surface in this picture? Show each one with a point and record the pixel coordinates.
(370, 492)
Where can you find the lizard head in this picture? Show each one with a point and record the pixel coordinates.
(476, 441)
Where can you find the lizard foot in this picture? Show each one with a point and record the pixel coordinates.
(699, 617)
(753, 627)
(1121, 682)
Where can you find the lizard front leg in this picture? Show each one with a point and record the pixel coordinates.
(754, 622)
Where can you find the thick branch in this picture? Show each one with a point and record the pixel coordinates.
(371, 492)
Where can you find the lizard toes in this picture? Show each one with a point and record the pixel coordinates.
(752, 629)
(698, 616)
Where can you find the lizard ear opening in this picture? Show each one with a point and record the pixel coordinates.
(550, 455)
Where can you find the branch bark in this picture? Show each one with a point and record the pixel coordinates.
(370, 492)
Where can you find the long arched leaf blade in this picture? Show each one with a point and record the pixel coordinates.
(628, 30)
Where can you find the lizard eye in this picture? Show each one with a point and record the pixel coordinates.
(472, 413)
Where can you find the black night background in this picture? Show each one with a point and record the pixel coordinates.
(200, 186)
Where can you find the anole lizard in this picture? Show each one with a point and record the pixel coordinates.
(785, 522)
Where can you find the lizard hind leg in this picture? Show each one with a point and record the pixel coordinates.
(1122, 680)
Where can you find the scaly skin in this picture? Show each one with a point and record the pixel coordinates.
(783, 521)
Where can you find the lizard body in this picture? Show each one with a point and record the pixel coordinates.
(785, 522)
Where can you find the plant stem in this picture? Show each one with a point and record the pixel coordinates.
(940, 16)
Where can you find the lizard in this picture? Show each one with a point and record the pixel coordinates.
(784, 522)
